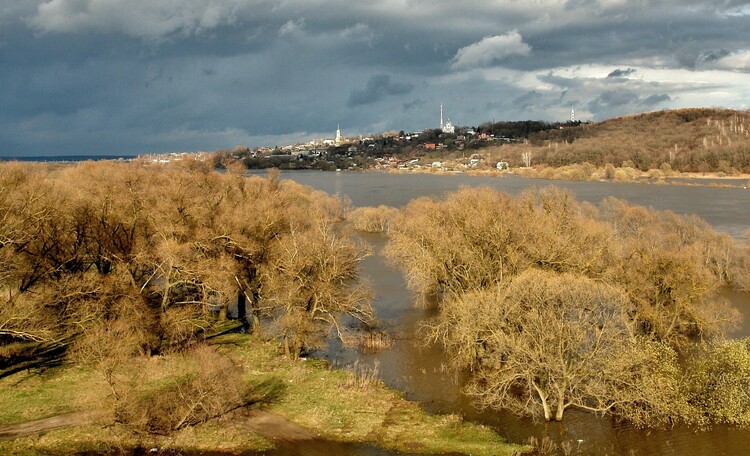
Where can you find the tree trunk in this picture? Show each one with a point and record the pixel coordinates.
(287, 351)
(252, 317)
(545, 405)
(547, 411)
(560, 409)
(560, 405)
(242, 309)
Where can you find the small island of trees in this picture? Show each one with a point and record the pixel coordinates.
(550, 304)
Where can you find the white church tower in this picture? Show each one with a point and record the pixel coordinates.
(337, 141)
(446, 127)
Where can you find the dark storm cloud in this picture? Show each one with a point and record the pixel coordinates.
(655, 99)
(414, 104)
(626, 100)
(151, 75)
(612, 99)
(377, 88)
(527, 100)
(618, 73)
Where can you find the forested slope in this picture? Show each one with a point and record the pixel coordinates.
(689, 140)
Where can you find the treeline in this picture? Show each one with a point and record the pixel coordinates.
(132, 260)
(521, 129)
(550, 304)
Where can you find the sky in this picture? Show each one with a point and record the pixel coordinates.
(144, 76)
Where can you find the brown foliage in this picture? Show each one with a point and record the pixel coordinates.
(718, 381)
(688, 140)
(215, 388)
(372, 219)
(179, 243)
(477, 237)
(669, 266)
(544, 342)
(554, 304)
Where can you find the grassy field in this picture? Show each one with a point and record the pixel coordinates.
(313, 399)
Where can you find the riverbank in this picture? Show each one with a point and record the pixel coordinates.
(298, 400)
(581, 173)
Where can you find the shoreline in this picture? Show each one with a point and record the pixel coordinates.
(741, 181)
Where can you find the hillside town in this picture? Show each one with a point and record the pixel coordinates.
(448, 147)
(688, 142)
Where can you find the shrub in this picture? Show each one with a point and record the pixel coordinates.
(214, 387)
(609, 171)
(372, 219)
(666, 169)
(719, 383)
(655, 174)
(620, 175)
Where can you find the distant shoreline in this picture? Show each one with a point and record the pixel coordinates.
(710, 179)
(68, 158)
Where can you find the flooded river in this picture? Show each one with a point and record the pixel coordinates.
(419, 371)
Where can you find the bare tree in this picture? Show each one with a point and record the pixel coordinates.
(181, 240)
(526, 157)
(544, 343)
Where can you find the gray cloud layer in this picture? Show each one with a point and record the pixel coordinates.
(128, 76)
(377, 88)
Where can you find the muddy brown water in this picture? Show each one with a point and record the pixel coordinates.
(419, 371)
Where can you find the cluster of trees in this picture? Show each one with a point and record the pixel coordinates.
(552, 304)
(152, 257)
(522, 128)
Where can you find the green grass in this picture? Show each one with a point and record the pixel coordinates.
(332, 404)
(33, 395)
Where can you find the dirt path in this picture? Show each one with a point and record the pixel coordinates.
(272, 426)
(268, 425)
(46, 424)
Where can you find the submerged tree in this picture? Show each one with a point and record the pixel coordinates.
(545, 342)
(554, 304)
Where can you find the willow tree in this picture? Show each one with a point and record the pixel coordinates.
(553, 304)
(546, 342)
(87, 247)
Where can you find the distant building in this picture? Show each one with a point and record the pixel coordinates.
(448, 126)
(337, 141)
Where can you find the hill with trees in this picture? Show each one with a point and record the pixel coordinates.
(694, 140)
(689, 140)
